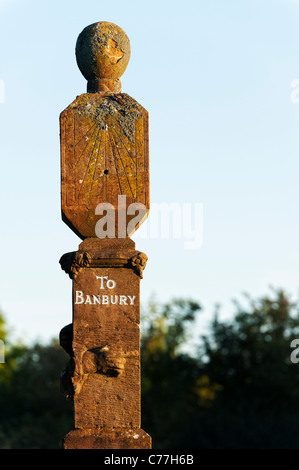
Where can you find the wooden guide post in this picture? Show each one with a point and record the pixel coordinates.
(104, 184)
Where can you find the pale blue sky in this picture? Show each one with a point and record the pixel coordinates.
(216, 79)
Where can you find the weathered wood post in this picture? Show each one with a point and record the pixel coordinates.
(104, 184)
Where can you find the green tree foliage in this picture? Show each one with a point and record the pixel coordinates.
(240, 391)
(3, 330)
(258, 406)
(168, 373)
(33, 412)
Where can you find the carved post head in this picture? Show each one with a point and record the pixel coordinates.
(103, 53)
(104, 143)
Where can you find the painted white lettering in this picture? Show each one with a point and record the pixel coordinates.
(123, 300)
(93, 299)
(96, 299)
(132, 299)
(111, 284)
(102, 281)
(79, 297)
(115, 300)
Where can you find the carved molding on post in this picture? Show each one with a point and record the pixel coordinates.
(73, 262)
(139, 262)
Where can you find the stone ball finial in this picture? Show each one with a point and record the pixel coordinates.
(103, 53)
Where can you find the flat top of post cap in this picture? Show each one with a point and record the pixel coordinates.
(102, 53)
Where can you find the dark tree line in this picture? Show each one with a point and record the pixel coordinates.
(237, 389)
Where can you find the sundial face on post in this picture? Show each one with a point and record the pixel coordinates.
(104, 144)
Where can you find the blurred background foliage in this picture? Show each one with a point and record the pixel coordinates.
(236, 388)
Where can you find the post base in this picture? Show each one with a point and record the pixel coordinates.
(120, 438)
